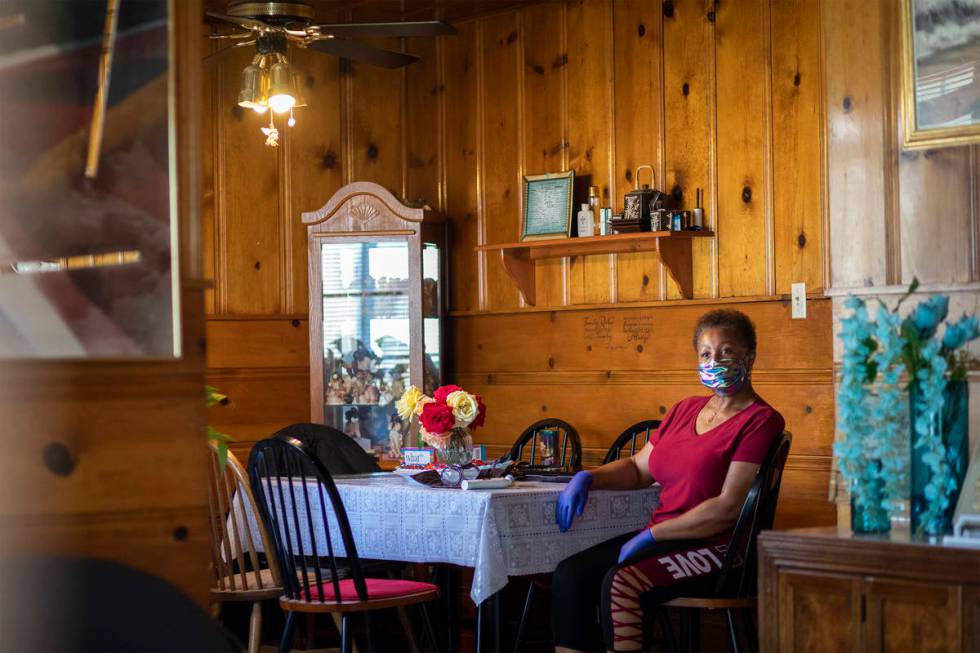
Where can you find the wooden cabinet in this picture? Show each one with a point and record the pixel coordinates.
(377, 305)
(821, 590)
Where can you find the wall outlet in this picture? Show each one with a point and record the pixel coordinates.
(799, 301)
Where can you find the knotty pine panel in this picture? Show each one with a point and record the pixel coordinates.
(858, 182)
(744, 235)
(260, 401)
(423, 111)
(462, 202)
(248, 276)
(635, 339)
(588, 98)
(375, 113)
(210, 139)
(313, 166)
(258, 343)
(125, 449)
(797, 130)
(500, 145)
(544, 120)
(689, 148)
(638, 133)
(803, 494)
(937, 208)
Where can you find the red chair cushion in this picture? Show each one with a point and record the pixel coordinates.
(377, 588)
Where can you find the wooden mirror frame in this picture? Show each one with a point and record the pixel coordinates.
(363, 212)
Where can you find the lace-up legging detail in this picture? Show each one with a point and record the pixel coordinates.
(591, 584)
(653, 578)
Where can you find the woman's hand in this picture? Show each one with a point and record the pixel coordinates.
(572, 500)
(637, 544)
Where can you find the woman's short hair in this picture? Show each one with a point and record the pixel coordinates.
(735, 321)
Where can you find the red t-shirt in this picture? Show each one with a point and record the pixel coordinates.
(691, 468)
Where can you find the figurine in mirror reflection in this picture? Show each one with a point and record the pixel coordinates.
(395, 437)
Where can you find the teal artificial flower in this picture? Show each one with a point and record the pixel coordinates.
(928, 315)
(962, 332)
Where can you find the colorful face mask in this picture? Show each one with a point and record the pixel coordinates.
(725, 376)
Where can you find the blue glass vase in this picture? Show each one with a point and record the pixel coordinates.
(955, 433)
(872, 517)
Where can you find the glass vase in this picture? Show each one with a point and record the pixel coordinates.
(955, 434)
(459, 449)
(869, 516)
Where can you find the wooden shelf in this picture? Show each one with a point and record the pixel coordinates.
(673, 248)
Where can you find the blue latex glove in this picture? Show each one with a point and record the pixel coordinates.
(572, 500)
(642, 540)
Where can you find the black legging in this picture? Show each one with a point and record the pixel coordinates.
(584, 588)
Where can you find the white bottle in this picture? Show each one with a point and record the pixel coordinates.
(586, 226)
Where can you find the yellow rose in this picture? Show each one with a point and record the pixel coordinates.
(409, 400)
(465, 408)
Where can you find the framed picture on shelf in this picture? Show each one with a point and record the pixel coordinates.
(940, 74)
(547, 206)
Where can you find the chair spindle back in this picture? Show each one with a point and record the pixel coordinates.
(291, 486)
(571, 445)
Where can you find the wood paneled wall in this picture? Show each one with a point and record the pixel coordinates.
(893, 215)
(726, 98)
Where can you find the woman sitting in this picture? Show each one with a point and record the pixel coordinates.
(705, 455)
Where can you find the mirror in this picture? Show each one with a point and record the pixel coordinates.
(940, 73)
(88, 255)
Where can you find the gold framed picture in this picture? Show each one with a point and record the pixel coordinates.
(547, 206)
(940, 74)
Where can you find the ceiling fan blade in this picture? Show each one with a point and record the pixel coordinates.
(363, 53)
(219, 54)
(247, 23)
(369, 30)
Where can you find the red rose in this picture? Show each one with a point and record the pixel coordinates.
(437, 418)
(481, 414)
(441, 393)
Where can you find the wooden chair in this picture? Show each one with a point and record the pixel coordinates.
(570, 460)
(288, 483)
(237, 572)
(735, 588)
(628, 437)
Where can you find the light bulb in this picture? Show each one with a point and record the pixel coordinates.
(260, 108)
(282, 102)
(291, 121)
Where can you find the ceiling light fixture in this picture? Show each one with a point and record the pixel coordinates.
(270, 83)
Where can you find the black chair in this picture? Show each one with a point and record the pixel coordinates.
(735, 588)
(78, 605)
(570, 460)
(565, 433)
(336, 450)
(643, 429)
(287, 481)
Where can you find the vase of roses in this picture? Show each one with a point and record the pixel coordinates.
(899, 378)
(446, 420)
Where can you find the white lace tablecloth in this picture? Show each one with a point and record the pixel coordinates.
(499, 533)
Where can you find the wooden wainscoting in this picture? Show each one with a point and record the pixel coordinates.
(263, 366)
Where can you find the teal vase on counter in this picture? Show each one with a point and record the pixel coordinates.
(954, 431)
(871, 517)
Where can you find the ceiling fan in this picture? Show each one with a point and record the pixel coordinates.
(270, 26)
(269, 82)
